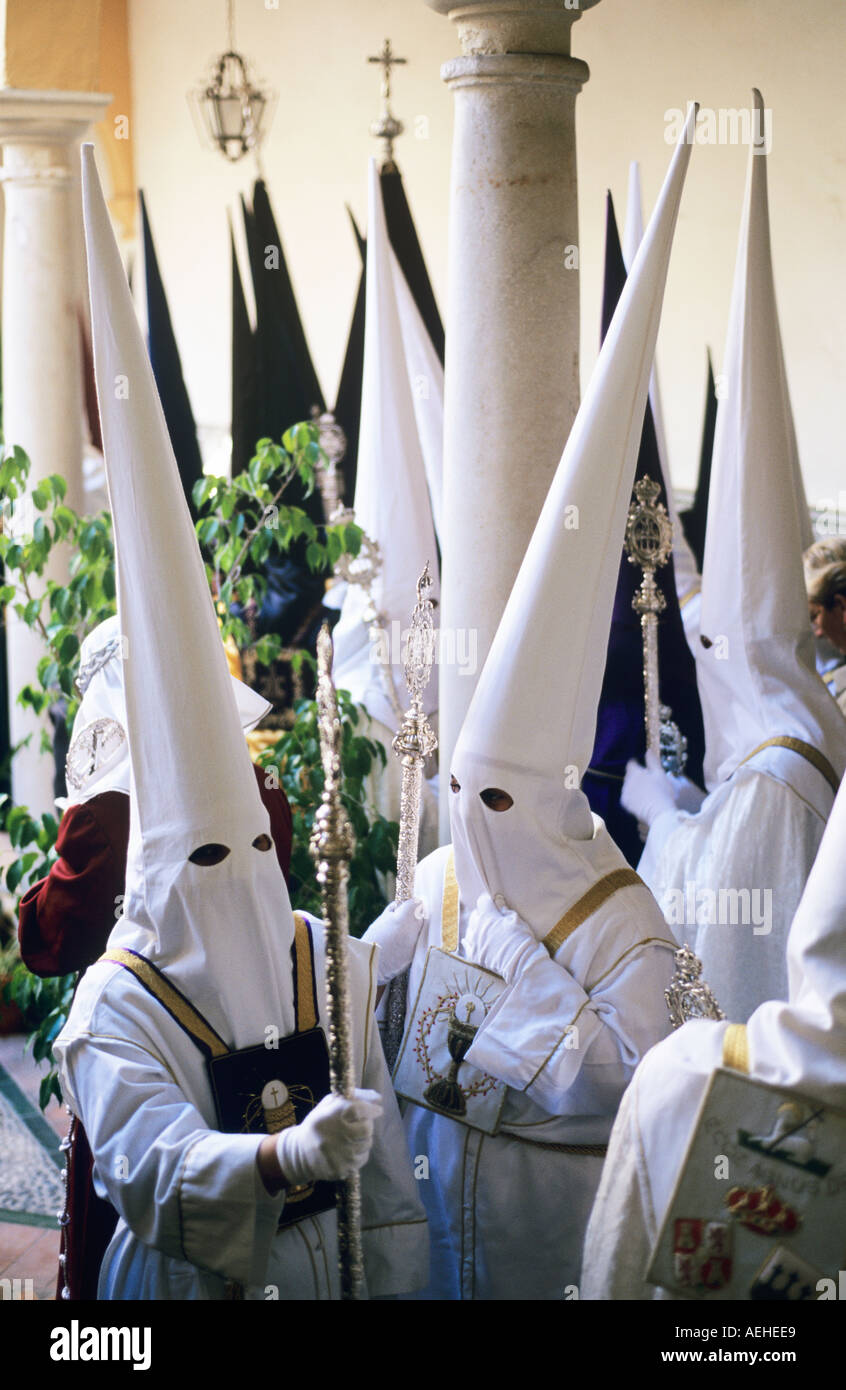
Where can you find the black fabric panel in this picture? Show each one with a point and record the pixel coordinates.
(348, 404)
(288, 383)
(695, 519)
(403, 237)
(246, 413)
(167, 369)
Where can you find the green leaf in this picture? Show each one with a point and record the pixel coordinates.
(14, 874)
(68, 647)
(202, 490)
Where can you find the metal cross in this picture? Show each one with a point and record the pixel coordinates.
(387, 128)
(387, 60)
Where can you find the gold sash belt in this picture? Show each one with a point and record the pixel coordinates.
(736, 1048)
(805, 750)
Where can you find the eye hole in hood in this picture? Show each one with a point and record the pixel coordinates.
(496, 799)
(206, 855)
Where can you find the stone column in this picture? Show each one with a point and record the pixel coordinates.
(40, 134)
(512, 356)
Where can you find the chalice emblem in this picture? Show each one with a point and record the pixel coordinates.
(444, 1092)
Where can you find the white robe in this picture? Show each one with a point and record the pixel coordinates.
(194, 1212)
(507, 1212)
(758, 830)
(645, 1155)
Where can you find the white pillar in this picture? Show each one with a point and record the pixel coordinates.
(40, 134)
(512, 359)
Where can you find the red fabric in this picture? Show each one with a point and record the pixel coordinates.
(64, 924)
(89, 1227)
(64, 921)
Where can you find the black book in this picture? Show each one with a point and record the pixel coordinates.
(261, 1090)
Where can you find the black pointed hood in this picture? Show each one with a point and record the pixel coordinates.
(694, 519)
(167, 367)
(403, 238)
(288, 382)
(348, 403)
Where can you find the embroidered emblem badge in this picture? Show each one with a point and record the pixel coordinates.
(702, 1253)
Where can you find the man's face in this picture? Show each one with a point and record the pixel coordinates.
(830, 622)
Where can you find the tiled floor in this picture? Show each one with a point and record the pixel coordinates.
(29, 1252)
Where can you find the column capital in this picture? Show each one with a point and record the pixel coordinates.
(47, 118)
(489, 27)
(515, 69)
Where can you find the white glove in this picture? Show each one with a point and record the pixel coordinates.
(333, 1140)
(687, 795)
(501, 941)
(396, 933)
(647, 791)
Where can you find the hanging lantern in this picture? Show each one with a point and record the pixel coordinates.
(233, 111)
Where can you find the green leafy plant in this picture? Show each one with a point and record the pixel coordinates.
(244, 522)
(33, 524)
(241, 524)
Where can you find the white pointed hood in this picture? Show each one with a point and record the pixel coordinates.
(684, 560)
(758, 678)
(530, 727)
(221, 932)
(391, 494)
(101, 675)
(426, 380)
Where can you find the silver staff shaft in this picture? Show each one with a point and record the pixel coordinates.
(652, 703)
(331, 847)
(413, 743)
(409, 833)
(414, 740)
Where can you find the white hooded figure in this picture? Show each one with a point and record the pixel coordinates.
(207, 908)
(98, 753)
(729, 878)
(397, 500)
(571, 955)
(798, 1045)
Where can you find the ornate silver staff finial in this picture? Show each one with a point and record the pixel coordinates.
(649, 543)
(331, 847)
(413, 743)
(362, 569)
(673, 743)
(689, 996)
(333, 443)
(388, 128)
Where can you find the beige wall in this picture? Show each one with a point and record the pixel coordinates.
(50, 44)
(644, 58)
